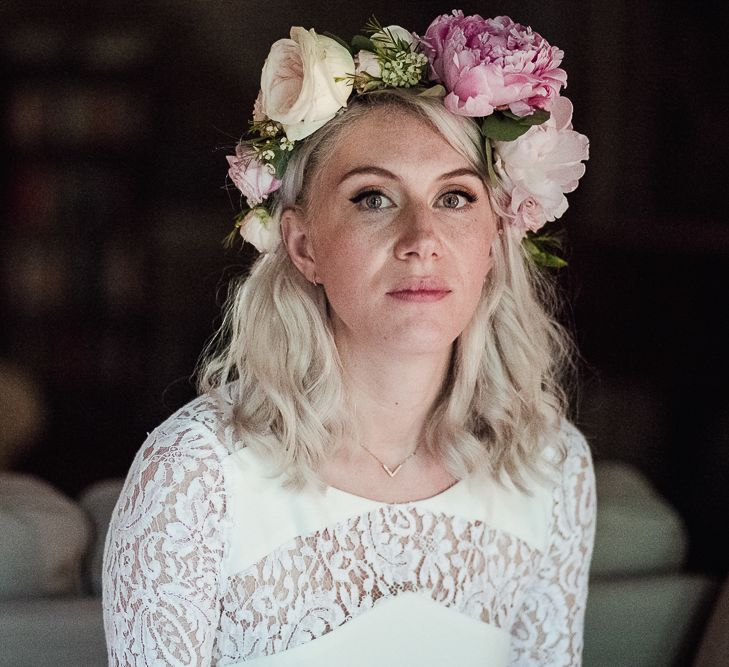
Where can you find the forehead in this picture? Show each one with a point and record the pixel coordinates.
(391, 137)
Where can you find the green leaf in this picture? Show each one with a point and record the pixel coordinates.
(537, 117)
(372, 26)
(490, 162)
(234, 233)
(280, 162)
(389, 42)
(501, 128)
(509, 114)
(532, 244)
(340, 41)
(542, 239)
(550, 261)
(230, 238)
(362, 43)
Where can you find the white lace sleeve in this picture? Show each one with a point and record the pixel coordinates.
(163, 554)
(548, 628)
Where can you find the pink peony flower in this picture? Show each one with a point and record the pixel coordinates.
(488, 64)
(253, 178)
(539, 167)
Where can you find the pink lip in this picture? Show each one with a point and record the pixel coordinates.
(420, 289)
(419, 295)
(420, 284)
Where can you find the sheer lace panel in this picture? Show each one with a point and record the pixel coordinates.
(168, 599)
(318, 582)
(163, 553)
(549, 627)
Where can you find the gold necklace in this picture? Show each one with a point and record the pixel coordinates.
(387, 468)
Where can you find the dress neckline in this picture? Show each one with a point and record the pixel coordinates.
(453, 488)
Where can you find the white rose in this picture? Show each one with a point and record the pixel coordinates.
(382, 38)
(545, 162)
(258, 115)
(299, 86)
(368, 63)
(260, 230)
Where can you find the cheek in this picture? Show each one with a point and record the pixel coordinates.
(347, 277)
(477, 254)
(341, 263)
(347, 257)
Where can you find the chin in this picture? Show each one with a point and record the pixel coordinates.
(420, 340)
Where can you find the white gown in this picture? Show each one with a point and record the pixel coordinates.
(209, 561)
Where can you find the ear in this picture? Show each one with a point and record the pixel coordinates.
(296, 238)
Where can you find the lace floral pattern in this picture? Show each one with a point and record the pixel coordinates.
(169, 601)
(548, 628)
(164, 549)
(318, 582)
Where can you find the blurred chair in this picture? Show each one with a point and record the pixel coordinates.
(644, 609)
(714, 648)
(48, 614)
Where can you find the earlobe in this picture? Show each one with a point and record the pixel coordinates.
(296, 238)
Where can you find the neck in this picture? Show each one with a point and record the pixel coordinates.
(392, 396)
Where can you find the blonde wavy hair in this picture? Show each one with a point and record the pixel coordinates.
(502, 400)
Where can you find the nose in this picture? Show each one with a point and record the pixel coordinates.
(418, 234)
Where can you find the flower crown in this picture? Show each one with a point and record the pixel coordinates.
(502, 74)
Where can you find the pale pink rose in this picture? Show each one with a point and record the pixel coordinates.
(529, 214)
(488, 64)
(305, 81)
(258, 115)
(542, 165)
(253, 178)
(261, 230)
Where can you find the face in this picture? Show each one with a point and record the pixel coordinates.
(398, 230)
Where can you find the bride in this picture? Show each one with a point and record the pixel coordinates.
(378, 469)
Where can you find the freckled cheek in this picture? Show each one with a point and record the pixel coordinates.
(347, 270)
(474, 244)
(351, 288)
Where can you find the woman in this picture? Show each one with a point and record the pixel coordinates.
(378, 469)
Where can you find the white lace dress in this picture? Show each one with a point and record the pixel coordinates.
(209, 561)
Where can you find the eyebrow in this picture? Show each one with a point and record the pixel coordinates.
(379, 171)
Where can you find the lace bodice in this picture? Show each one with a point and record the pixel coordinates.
(209, 561)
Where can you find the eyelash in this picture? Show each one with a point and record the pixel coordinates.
(360, 197)
(470, 197)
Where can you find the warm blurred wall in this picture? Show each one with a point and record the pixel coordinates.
(648, 234)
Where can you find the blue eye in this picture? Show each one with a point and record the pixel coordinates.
(457, 199)
(371, 200)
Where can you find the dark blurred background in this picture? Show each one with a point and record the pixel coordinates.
(116, 118)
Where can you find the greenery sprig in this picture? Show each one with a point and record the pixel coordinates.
(539, 248)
